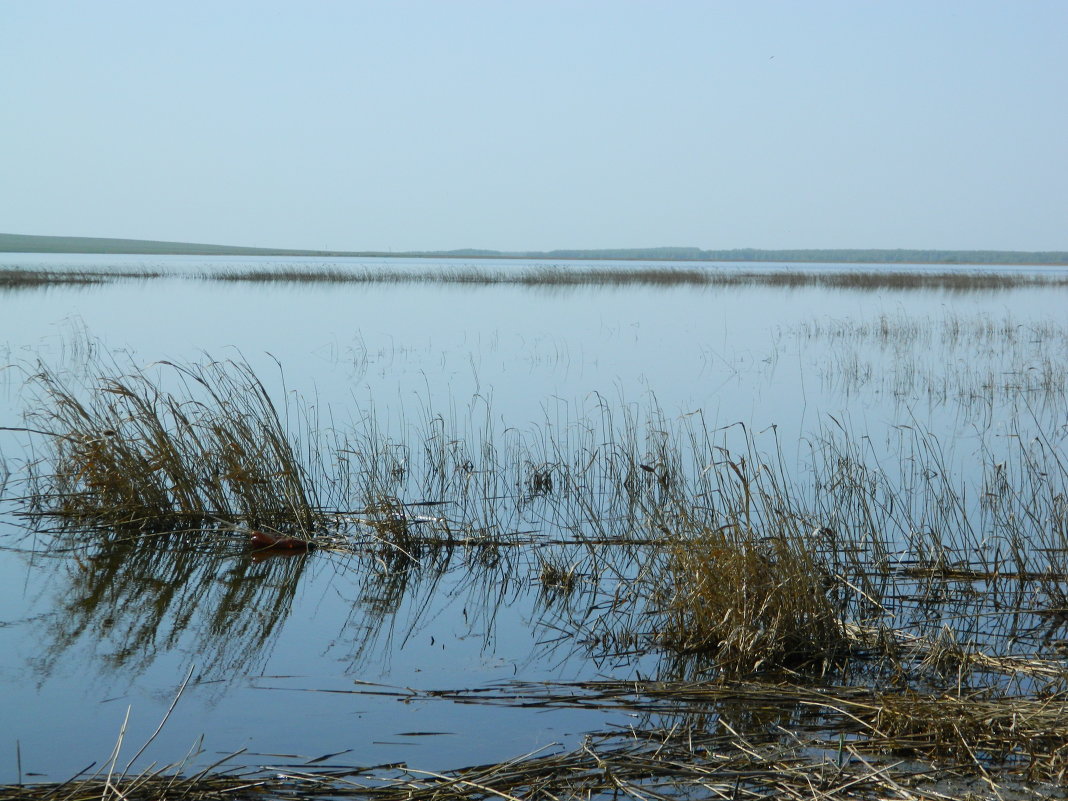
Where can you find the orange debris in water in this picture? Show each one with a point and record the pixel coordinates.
(261, 540)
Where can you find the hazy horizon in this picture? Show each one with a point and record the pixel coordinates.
(418, 126)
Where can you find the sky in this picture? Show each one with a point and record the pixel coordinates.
(538, 125)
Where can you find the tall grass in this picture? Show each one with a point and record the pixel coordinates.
(750, 604)
(125, 453)
(561, 277)
(14, 278)
(935, 590)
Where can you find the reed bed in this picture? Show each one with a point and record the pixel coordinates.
(558, 276)
(1012, 735)
(1016, 730)
(972, 362)
(669, 503)
(473, 276)
(123, 453)
(13, 278)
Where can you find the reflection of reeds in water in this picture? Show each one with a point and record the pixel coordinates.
(135, 598)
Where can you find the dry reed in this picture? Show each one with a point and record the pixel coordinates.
(753, 605)
(560, 277)
(126, 454)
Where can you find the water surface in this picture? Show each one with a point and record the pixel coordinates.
(86, 633)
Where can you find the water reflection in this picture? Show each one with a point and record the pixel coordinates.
(136, 598)
(133, 600)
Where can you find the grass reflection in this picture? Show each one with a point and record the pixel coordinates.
(133, 599)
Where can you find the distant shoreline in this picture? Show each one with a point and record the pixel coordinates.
(26, 243)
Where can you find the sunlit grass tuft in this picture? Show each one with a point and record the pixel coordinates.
(750, 604)
(127, 454)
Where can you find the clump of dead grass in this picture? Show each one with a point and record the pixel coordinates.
(1028, 732)
(752, 605)
(125, 453)
(14, 278)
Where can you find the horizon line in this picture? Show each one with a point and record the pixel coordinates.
(36, 243)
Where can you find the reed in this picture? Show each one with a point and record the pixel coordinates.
(14, 278)
(976, 362)
(751, 605)
(654, 762)
(708, 539)
(123, 453)
(550, 276)
(1010, 737)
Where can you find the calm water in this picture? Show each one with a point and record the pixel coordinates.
(82, 638)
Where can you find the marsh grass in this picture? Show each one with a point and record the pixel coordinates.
(559, 276)
(670, 498)
(175, 447)
(14, 278)
(1031, 733)
(972, 362)
(751, 604)
(549, 276)
(983, 731)
(123, 453)
(562, 277)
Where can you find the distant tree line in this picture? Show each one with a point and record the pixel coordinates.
(24, 243)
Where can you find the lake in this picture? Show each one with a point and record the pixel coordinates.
(338, 650)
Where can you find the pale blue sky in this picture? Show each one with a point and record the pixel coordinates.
(538, 125)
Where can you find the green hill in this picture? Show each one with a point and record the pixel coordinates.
(24, 243)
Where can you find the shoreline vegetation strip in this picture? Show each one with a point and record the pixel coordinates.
(13, 278)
